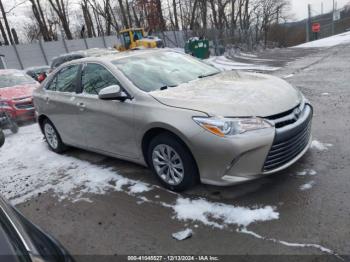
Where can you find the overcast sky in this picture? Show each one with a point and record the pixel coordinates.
(299, 7)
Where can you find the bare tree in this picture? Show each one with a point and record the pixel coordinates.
(176, 21)
(122, 10)
(87, 18)
(61, 9)
(3, 33)
(4, 17)
(40, 18)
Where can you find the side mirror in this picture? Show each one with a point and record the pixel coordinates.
(113, 92)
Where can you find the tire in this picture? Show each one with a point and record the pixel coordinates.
(52, 137)
(168, 172)
(2, 138)
(13, 127)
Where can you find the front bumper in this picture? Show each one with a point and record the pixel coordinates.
(21, 109)
(228, 161)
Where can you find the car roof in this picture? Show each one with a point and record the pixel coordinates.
(86, 52)
(37, 67)
(11, 72)
(92, 52)
(121, 55)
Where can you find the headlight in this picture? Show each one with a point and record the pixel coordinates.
(225, 127)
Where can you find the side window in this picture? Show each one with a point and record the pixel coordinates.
(96, 77)
(127, 40)
(67, 79)
(52, 85)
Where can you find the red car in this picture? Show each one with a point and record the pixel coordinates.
(16, 89)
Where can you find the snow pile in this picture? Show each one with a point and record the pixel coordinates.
(307, 186)
(225, 64)
(340, 39)
(139, 188)
(220, 215)
(29, 168)
(320, 146)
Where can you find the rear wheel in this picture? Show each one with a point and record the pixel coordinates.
(52, 137)
(172, 163)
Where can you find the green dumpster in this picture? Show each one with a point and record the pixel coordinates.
(197, 47)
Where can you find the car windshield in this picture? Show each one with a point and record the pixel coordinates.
(8, 80)
(161, 70)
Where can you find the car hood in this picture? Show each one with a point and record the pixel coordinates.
(233, 93)
(15, 92)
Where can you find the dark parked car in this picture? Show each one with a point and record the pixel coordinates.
(35, 72)
(92, 52)
(20, 240)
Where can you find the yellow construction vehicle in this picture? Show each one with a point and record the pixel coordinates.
(133, 38)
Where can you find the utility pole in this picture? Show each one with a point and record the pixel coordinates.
(321, 8)
(333, 17)
(308, 24)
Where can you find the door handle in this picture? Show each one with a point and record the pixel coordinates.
(81, 105)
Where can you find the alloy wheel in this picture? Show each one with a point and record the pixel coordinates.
(168, 164)
(51, 136)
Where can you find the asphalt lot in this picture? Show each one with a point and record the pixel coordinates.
(117, 223)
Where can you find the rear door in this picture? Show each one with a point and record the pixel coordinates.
(62, 106)
(108, 125)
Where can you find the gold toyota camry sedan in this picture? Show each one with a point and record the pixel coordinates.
(186, 120)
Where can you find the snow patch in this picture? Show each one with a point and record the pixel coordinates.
(182, 235)
(220, 215)
(307, 186)
(225, 64)
(307, 172)
(139, 188)
(29, 168)
(328, 41)
(143, 199)
(288, 76)
(320, 146)
(289, 244)
(325, 94)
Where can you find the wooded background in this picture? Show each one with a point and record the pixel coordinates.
(248, 24)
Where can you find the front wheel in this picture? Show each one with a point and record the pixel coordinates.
(2, 138)
(172, 163)
(13, 127)
(52, 137)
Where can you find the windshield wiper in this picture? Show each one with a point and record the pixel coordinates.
(212, 74)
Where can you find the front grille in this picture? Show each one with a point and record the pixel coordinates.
(293, 133)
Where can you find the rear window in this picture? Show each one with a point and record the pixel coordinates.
(8, 80)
